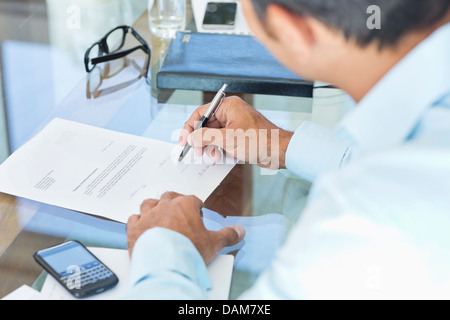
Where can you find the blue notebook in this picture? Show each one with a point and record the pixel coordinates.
(205, 61)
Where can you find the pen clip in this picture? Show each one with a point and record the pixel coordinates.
(218, 105)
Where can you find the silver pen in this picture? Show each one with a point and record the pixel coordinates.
(210, 112)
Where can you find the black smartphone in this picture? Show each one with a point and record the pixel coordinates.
(220, 15)
(76, 268)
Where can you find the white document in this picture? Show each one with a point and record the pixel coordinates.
(25, 293)
(220, 271)
(103, 172)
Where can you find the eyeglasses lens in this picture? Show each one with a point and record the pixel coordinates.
(115, 40)
(94, 52)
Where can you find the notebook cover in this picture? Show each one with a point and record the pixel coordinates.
(204, 62)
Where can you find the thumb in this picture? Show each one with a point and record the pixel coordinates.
(229, 236)
(207, 136)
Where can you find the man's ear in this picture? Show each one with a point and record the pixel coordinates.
(290, 30)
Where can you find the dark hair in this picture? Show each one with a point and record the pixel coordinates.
(398, 17)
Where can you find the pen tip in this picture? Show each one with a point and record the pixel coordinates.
(224, 87)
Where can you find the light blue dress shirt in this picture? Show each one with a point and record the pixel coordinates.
(377, 224)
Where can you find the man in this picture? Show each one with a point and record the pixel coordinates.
(378, 218)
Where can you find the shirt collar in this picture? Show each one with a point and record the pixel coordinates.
(390, 112)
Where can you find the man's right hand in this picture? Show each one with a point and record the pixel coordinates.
(241, 131)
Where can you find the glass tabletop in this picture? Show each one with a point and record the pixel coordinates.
(43, 77)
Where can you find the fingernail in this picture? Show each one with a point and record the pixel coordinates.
(217, 155)
(180, 140)
(240, 231)
(198, 152)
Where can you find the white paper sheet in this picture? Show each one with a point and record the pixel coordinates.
(103, 172)
(220, 271)
(25, 293)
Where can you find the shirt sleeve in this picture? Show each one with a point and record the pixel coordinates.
(166, 265)
(314, 150)
(362, 237)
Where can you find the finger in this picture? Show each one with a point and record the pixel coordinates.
(189, 125)
(199, 151)
(184, 134)
(183, 139)
(207, 136)
(209, 150)
(197, 202)
(195, 117)
(214, 123)
(229, 236)
(218, 121)
(148, 205)
(170, 195)
(214, 153)
(132, 220)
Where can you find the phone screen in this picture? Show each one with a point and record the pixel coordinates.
(77, 269)
(220, 14)
(65, 258)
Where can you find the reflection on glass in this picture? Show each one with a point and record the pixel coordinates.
(43, 60)
(75, 24)
(114, 76)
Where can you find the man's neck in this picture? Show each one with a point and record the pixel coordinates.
(369, 65)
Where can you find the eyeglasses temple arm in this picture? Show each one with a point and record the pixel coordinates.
(118, 55)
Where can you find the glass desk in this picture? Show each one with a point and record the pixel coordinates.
(43, 77)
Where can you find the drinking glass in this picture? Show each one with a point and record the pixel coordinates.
(166, 17)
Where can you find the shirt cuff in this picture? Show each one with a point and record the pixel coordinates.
(163, 250)
(314, 150)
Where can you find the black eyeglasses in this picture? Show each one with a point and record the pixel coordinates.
(107, 49)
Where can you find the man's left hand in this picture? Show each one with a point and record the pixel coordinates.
(182, 214)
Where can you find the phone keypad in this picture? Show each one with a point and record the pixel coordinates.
(88, 275)
(94, 274)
